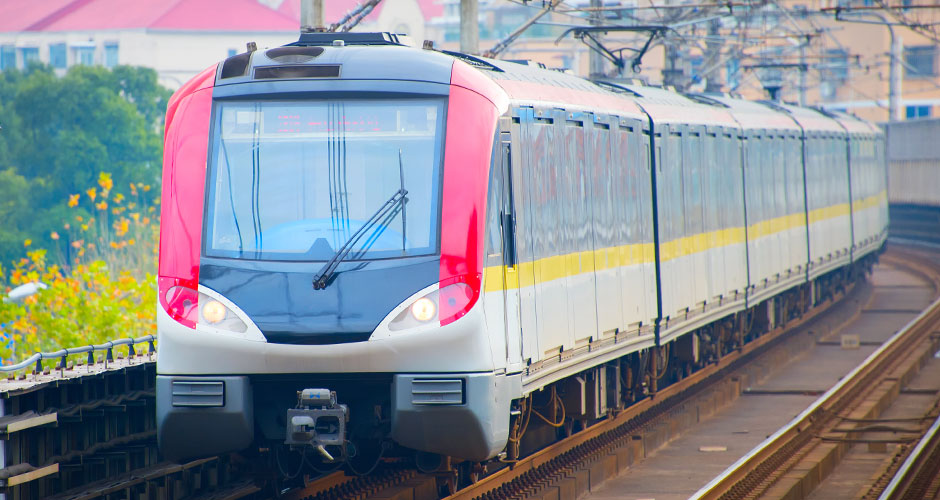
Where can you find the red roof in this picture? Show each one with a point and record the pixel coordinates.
(189, 15)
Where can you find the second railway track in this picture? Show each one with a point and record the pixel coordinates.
(798, 456)
(570, 467)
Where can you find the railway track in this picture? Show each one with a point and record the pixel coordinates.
(918, 477)
(793, 460)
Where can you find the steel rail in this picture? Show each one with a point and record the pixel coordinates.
(63, 354)
(612, 431)
(914, 466)
(786, 436)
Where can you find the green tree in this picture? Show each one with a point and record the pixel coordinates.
(59, 133)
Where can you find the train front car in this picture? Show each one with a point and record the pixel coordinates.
(310, 295)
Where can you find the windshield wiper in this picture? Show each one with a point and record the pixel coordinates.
(322, 279)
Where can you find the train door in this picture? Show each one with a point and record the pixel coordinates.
(510, 267)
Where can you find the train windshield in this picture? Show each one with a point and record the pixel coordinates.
(295, 180)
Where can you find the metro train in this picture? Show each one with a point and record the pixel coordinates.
(373, 249)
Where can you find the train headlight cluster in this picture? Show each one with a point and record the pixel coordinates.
(192, 308)
(439, 307)
(215, 314)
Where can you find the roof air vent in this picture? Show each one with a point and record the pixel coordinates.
(294, 55)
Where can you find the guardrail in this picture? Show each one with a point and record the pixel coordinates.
(63, 354)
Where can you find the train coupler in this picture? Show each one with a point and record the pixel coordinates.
(319, 422)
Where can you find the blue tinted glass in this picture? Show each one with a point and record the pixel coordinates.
(111, 55)
(85, 55)
(7, 57)
(28, 54)
(294, 180)
(57, 55)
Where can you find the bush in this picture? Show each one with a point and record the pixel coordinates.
(101, 283)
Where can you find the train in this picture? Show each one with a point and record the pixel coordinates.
(370, 249)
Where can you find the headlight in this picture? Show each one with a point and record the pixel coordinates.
(213, 311)
(442, 306)
(424, 309)
(216, 315)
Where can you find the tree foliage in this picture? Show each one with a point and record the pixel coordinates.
(59, 133)
(80, 159)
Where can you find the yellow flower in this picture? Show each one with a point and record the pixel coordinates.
(84, 227)
(121, 227)
(118, 198)
(67, 226)
(133, 189)
(103, 205)
(54, 235)
(131, 242)
(135, 216)
(114, 244)
(73, 200)
(104, 180)
(79, 218)
(92, 193)
(27, 243)
(146, 187)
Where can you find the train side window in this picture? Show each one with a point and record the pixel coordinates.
(494, 245)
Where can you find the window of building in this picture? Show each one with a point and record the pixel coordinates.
(84, 54)
(111, 54)
(917, 112)
(836, 66)
(7, 57)
(28, 54)
(732, 68)
(696, 68)
(58, 55)
(920, 61)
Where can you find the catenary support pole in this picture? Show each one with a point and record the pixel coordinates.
(469, 26)
(311, 15)
(894, 85)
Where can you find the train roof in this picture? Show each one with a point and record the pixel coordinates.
(752, 115)
(533, 84)
(854, 124)
(668, 107)
(810, 119)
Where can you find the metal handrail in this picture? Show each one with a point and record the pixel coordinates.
(768, 444)
(63, 354)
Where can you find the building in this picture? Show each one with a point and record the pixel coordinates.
(797, 47)
(839, 64)
(178, 38)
